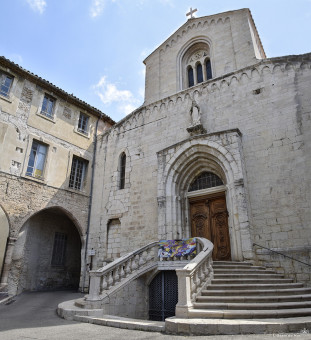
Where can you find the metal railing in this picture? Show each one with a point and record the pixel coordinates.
(277, 252)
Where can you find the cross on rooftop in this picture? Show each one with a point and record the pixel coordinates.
(191, 12)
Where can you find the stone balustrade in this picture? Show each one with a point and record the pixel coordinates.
(126, 268)
(194, 277)
(117, 274)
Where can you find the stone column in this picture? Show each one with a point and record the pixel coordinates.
(8, 260)
(195, 75)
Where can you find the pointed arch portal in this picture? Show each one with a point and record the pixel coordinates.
(180, 165)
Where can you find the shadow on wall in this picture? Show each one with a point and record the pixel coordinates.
(47, 253)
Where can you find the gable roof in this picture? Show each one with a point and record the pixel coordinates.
(209, 19)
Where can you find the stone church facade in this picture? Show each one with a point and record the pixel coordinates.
(220, 149)
(253, 133)
(214, 106)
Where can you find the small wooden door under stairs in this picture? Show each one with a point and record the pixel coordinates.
(209, 219)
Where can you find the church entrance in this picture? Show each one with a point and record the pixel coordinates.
(209, 219)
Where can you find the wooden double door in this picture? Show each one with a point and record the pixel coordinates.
(209, 219)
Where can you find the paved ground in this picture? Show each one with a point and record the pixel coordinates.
(33, 316)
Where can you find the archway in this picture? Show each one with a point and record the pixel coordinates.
(178, 165)
(4, 234)
(47, 253)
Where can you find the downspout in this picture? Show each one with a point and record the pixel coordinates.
(90, 205)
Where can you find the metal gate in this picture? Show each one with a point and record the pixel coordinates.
(163, 295)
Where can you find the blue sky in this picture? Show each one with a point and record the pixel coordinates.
(95, 48)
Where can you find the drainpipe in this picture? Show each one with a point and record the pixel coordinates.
(90, 205)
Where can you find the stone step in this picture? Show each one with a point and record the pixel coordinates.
(242, 286)
(243, 276)
(252, 305)
(215, 326)
(248, 314)
(256, 298)
(244, 271)
(256, 292)
(121, 322)
(249, 281)
(231, 263)
(234, 266)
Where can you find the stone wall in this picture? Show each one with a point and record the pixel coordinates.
(131, 301)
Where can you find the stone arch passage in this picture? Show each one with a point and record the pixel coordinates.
(47, 253)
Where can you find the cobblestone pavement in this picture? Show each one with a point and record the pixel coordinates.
(33, 316)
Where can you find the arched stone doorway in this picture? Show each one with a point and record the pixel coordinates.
(47, 253)
(4, 234)
(178, 165)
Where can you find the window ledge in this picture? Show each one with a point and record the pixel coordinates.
(77, 191)
(85, 135)
(45, 117)
(36, 179)
(7, 99)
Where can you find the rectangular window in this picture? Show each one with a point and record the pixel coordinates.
(36, 159)
(83, 123)
(48, 106)
(77, 174)
(59, 249)
(5, 84)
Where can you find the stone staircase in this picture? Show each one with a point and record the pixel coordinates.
(240, 290)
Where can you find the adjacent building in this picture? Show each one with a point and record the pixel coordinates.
(47, 153)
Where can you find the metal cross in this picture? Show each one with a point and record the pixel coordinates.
(191, 12)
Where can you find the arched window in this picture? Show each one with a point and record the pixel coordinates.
(190, 77)
(204, 181)
(208, 69)
(122, 165)
(196, 66)
(199, 73)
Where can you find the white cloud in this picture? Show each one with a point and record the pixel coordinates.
(109, 94)
(97, 7)
(37, 5)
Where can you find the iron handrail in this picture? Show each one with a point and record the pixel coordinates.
(255, 244)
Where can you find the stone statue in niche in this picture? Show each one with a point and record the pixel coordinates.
(196, 127)
(195, 114)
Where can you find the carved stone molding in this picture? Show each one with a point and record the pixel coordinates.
(196, 130)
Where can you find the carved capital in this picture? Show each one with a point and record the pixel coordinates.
(161, 201)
